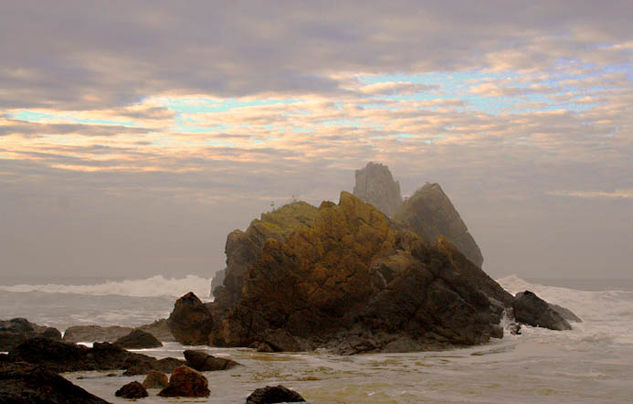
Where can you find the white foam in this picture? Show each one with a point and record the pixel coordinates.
(151, 287)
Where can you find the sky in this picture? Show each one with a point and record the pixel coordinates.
(135, 135)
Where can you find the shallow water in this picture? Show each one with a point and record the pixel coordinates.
(591, 363)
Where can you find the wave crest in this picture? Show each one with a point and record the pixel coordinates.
(154, 286)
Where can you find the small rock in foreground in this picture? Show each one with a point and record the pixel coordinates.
(274, 394)
(155, 380)
(186, 382)
(132, 390)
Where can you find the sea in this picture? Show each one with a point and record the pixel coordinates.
(593, 363)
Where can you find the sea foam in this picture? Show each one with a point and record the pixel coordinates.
(154, 286)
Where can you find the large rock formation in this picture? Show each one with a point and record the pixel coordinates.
(138, 339)
(244, 247)
(186, 382)
(353, 280)
(430, 214)
(375, 185)
(25, 383)
(17, 330)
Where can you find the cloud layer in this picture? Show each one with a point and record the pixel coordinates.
(133, 137)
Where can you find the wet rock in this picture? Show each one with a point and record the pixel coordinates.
(203, 362)
(565, 313)
(532, 310)
(25, 383)
(138, 339)
(95, 333)
(186, 382)
(67, 357)
(155, 380)
(375, 185)
(17, 330)
(190, 322)
(274, 394)
(132, 390)
(430, 214)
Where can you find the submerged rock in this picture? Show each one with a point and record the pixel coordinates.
(203, 362)
(155, 380)
(353, 273)
(25, 383)
(138, 339)
(532, 310)
(67, 357)
(375, 185)
(430, 214)
(191, 321)
(95, 333)
(274, 394)
(132, 390)
(17, 330)
(186, 382)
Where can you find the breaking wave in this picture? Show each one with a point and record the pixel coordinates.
(154, 286)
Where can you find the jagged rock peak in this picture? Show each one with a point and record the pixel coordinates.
(430, 214)
(375, 185)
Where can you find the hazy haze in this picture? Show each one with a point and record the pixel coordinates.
(135, 135)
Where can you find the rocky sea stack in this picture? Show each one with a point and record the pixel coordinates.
(375, 185)
(353, 280)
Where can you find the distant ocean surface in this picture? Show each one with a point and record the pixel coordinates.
(593, 363)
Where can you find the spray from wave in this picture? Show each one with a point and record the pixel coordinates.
(154, 286)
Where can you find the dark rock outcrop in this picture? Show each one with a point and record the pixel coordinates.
(138, 339)
(159, 329)
(186, 382)
(354, 274)
(244, 247)
(532, 310)
(155, 380)
(430, 214)
(132, 390)
(26, 383)
(274, 394)
(203, 362)
(95, 333)
(375, 185)
(191, 321)
(67, 357)
(17, 330)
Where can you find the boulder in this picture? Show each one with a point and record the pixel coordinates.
(67, 357)
(375, 185)
(95, 333)
(132, 390)
(191, 321)
(203, 362)
(274, 394)
(532, 310)
(25, 383)
(430, 214)
(355, 274)
(17, 330)
(138, 339)
(186, 382)
(155, 380)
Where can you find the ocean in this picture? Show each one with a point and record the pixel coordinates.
(593, 363)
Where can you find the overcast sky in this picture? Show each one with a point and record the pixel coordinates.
(134, 135)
